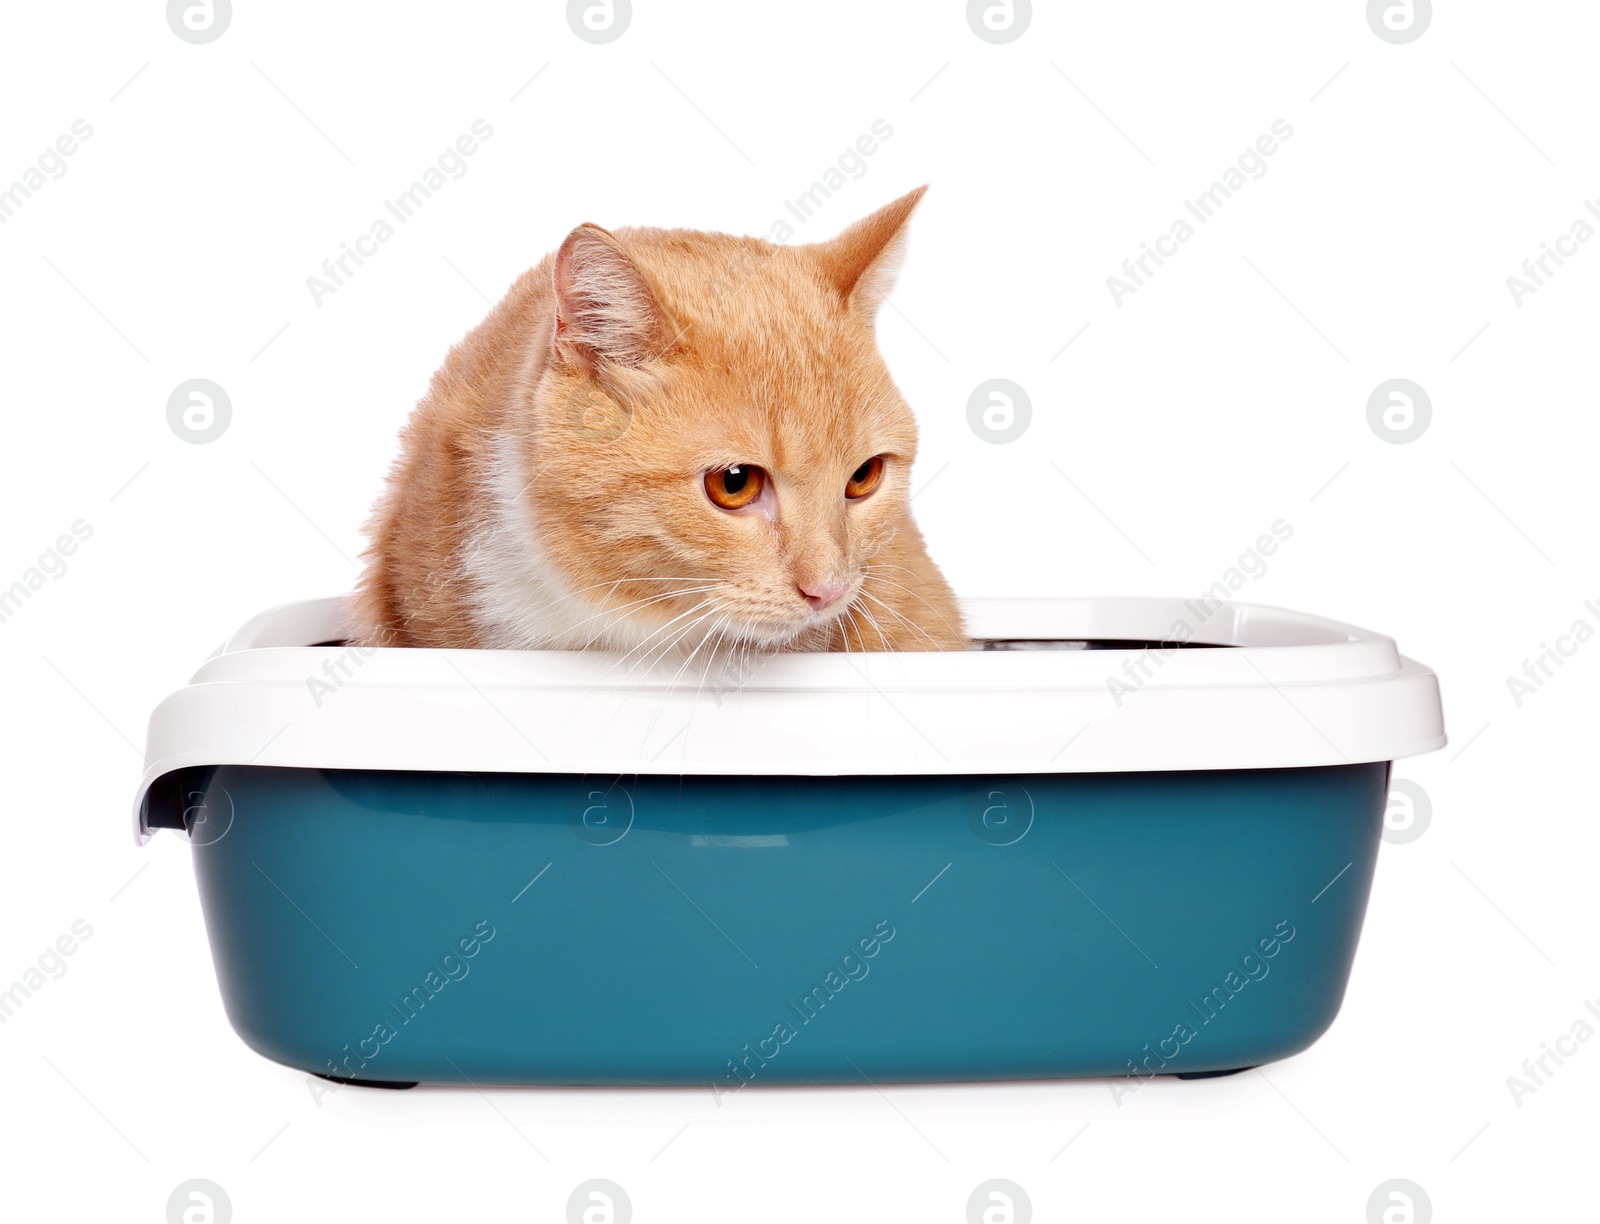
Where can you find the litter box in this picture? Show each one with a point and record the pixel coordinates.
(1117, 837)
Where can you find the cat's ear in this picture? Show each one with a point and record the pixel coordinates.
(862, 261)
(605, 312)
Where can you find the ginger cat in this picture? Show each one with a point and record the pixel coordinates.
(662, 441)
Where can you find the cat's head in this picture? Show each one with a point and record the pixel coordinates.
(717, 449)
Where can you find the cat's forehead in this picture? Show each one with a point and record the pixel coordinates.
(764, 408)
(795, 372)
(767, 352)
(734, 288)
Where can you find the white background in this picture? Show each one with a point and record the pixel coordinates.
(1227, 393)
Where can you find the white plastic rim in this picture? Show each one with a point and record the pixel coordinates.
(1295, 691)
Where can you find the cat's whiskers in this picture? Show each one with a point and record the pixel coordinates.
(716, 628)
(571, 596)
(889, 565)
(565, 599)
(908, 621)
(872, 620)
(903, 618)
(631, 578)
(659, 653)
(901, 587)
(595, 637)
(666, 693)
(618, 613)
(655, 633)
(844, 636)
(711, 658)
(646, 660)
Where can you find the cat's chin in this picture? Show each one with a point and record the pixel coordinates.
(810, 633)
(767, 637)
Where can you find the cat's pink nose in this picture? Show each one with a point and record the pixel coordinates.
(820, 597)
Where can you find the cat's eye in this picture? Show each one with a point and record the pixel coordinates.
(735, 487)
(865, 478)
